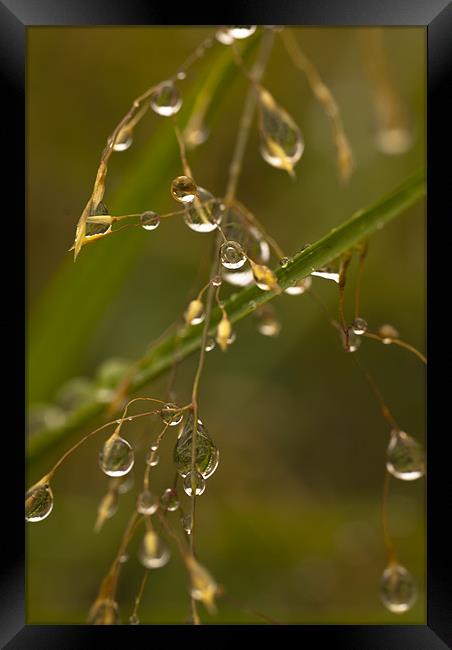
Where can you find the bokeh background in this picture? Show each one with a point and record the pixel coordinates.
(289, 523)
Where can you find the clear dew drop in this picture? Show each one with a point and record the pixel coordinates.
(171, 415)
(153, 553)
(181, 75)
(147, 503)
(149, 220)
(205, 212)
(207, 454)
(216, 281)
(166, 99)
(194, 484)
(353, 341)
(232, 255)
(398, 589)
(210, 344)
(281, 142)
(116, 457)
(104, 612)
(299, 287)
(240, 31)
(359, 326)
(152, 458)
(169, 500)
(268, 325)
(38, 503)
(284, 262)
(405, 458)
(123, 140)
(183, 189)
(250, 239)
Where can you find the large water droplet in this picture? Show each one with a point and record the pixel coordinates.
(232, 255)
(116, 457)
(153, 553)
(207, 454)
(359, 326)
(38, 502)
(281, 141)
(166, 99)
(123, 140)
(398, 589)
(194, 483)
(183, 189)
(204, 213)
(405, 457)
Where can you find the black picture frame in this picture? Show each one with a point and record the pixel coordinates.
(436, 16)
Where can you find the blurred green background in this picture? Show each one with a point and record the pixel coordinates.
(289, 523)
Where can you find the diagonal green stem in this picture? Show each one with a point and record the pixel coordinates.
(188, 339)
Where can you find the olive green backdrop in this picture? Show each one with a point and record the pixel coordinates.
(289, 523)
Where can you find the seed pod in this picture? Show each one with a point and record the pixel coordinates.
(224, 331)
(194, 313)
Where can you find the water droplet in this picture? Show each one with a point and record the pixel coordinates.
(147, 503)
(250, 239)
(94, 229)
(181, 75)
(398, 589)
(240, 31)
(359, 326)
(281, 141)
(166, 99)
(405, 458)
(183, 189)
(232, 255)
(217, 280)
(153, 553)
(104, 612)
(284, 262)
(194, 483)
(171, 415)
(194, 313)
(152, 458)
(154, 447)
(351, 341)
(134, 620)
(123, 140)
(149, 220)
(210, 344)
(116, 457)
(205, 212)
(224, 37)
(207, 454)
(38, 502)
(169, 500)
(299, 287)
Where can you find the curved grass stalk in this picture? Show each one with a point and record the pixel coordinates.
(187, 339)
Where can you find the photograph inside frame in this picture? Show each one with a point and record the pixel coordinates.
(226, 356)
